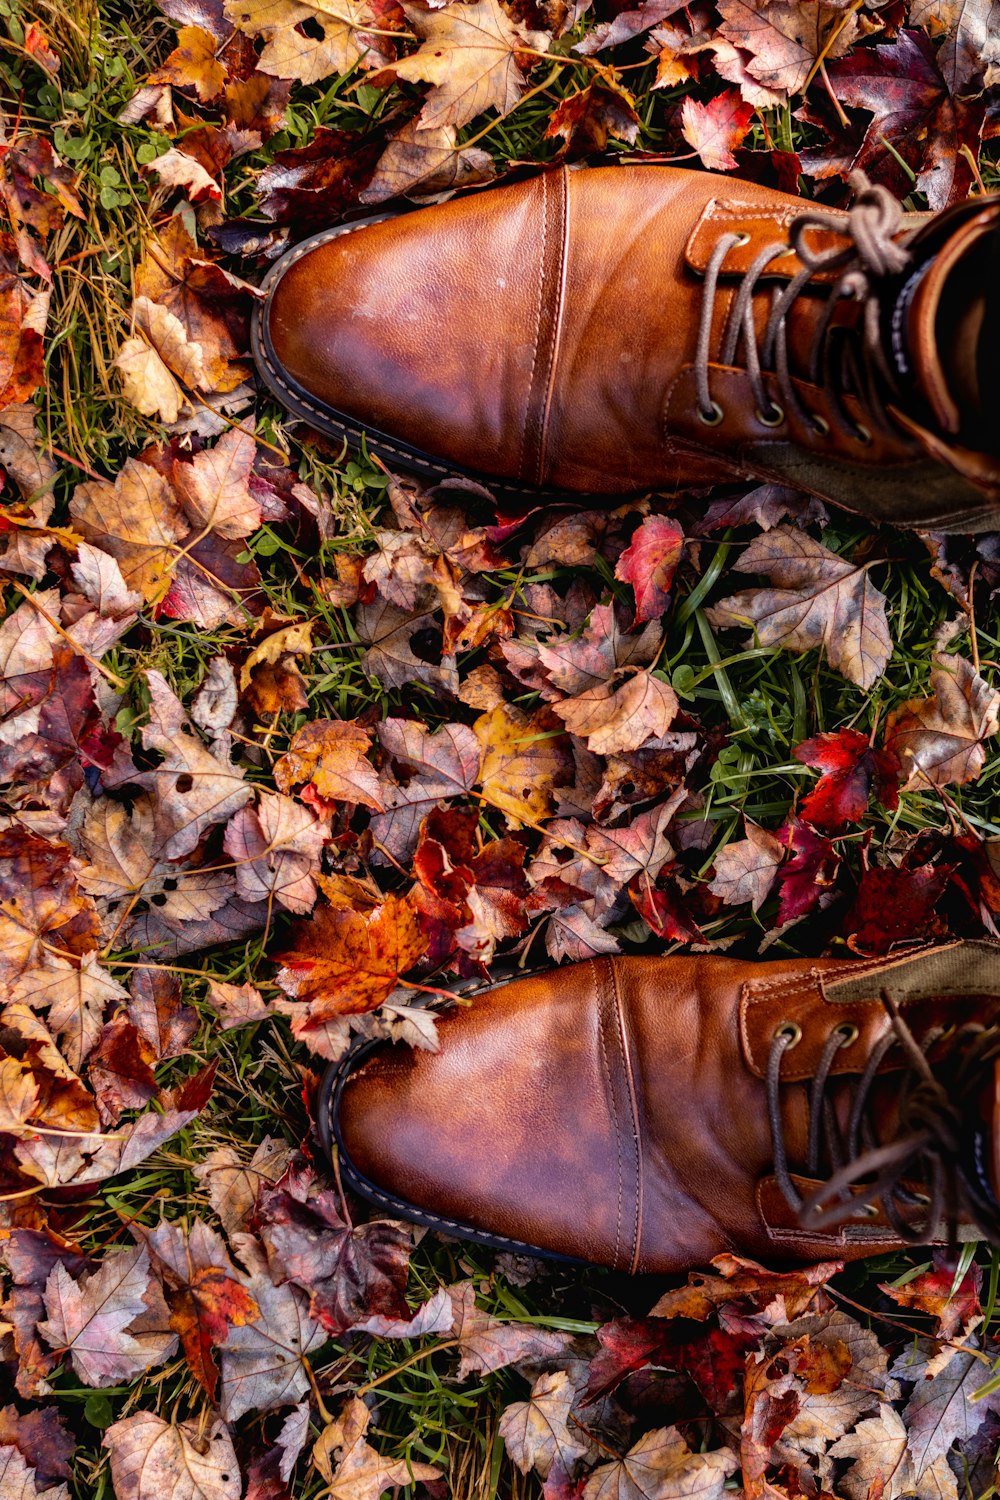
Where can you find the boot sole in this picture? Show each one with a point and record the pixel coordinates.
(336, 424)
(328, 1127)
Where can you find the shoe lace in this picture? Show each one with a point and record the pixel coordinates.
(925, 1176)
(871, 257)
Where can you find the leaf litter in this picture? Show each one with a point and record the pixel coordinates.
(291, 746)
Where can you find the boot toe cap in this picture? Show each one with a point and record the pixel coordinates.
(505, 1131)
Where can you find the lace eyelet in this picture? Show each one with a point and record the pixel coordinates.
(740, 241)
(867, 1210)
(922, 1198)
(820, 425)
(713, 416)
(774, 418)
(862, 434)
(790, 1032)
(848, 1034)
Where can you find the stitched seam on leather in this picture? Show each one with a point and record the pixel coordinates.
(600, 992)
(550, 383)
(775, 1232)
(324, 420)
(634, 1111)
(526, 420)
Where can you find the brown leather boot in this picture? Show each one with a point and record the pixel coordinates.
(650, 1113)
(621, 329)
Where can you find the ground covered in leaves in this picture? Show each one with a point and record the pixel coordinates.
(290, 745)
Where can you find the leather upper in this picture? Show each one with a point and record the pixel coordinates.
(616, 1111)
(544, 332)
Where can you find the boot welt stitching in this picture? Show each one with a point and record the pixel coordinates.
(557, 331)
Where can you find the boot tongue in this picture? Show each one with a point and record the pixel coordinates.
(945, 326)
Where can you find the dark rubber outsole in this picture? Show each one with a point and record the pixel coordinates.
(345, 429)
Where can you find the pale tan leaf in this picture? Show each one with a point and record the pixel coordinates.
(538, 1433)
(745, 869)
(136, 519)
(941, 740)
(154, 1460)
(146, 381)
(622, 713)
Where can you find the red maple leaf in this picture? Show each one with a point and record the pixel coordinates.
(852, 771)
(894, 906)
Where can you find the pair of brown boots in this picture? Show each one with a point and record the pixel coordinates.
(615, 330)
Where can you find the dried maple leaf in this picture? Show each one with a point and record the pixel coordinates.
(523, 760)
(390, 633)
(419, 162)
(40, 903)
(786, 39)
(487, 1344)
(765, 506)
(852, 771)
(120, 1069)
(917, 127)
(192, 788)
(627, 24)
(745, 870)
(137, 520)
(714, 130)
(158, 1014)
(178, 169)
(21, 368)
(22, 454)
(621, 714)
(934, 1292)
(944, 1405)
(967, 33)
(277, 846)
(661, 1466)
(156, 1460)
(895, 906)
(822, 600)
(429, 769)
(234, 1185)
(348, 33)
(214, 487)
(19, 1480)
(350, 1273)
(469, 53)
(586, 120)
(236, 1004)
(204, 1292)
(537, 1432)
(91, 1318)
(331, 756)
(649, 563)
(361, 1472)
(575, 663)
(345, 962)
(940, 741)
(263, 1362)
(44, 1443)
(193, 66)
(58, 1161)
(882, 1465)
(809, 873)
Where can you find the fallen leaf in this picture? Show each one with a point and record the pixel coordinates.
(853, 770)
(714, 130)
(422, 162)
(309, 41)
(786, 39)
(895, 906)
(389, 635)
(348, 1273)
(745, 869)
(346, 962)
(468, 52)
(429, 769)
(361, 1472)
(90, 1318)
(649, 563)
(622, 713)
(524, 759)
(821, 600)
(236, 1004)
(19, 1481)
(156, 1460)
(214, 487)
(331, 755)
(487, 1344)
(234, 1185)
(586, 120)
(939, 741)
(537, 1432)
(138, 521)
(661, 1466)
(808, 874)
(967, 33)
(263, 1363)
(277, 847)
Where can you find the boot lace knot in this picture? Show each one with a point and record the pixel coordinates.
(928, 1175)
(871, 257)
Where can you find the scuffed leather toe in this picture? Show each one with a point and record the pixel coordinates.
(509, 1130)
